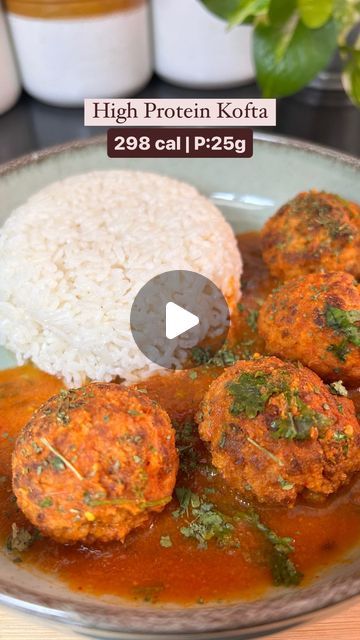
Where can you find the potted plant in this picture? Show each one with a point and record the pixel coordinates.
(294, 40)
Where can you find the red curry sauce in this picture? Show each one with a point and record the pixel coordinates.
(144, 567)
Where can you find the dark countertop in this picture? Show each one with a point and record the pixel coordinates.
(323, 117)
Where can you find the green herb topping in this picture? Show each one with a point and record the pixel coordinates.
(134, 412)
(252, 391)
(186, 440)
(252, 319)
(46, 502)
(67, 400)
(338, 389)
(346, 324)
(284, 571)
(166, 542)
(339, 436)
(223, 358)
(206, 521)
(340, 350)
(21, 539)
(284, 484)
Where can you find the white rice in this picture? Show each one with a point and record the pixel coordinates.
(74, 256)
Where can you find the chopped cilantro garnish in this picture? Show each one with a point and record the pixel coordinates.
(250, 391)
(347, 324)
(67, 400)
(338, 389)
(186, 500)
(206, 521)
(252, 319)
(200, 356)
(298, 426)
(166, 542)
(284, 484)
(340, 350)
(223, 358)
(46, 502)
(36, 447)
(193, 375)
(339, 436)
(21, 539)
(186, 438)
(283, 569)
(57, 463)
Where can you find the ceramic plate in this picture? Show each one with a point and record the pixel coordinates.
(248, 191)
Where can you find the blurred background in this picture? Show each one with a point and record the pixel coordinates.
(55, 53)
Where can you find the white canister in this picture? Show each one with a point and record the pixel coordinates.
(71, 50)
(9, 80)
(195, 48)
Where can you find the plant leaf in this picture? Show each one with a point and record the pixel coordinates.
(237, 11)
(346, 15)
(223, 8)
(280, 11)
(249, 10)
(307, 52)
(351, 75)
(315, 14)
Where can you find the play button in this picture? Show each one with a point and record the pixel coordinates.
(178, 320)
(175, 313)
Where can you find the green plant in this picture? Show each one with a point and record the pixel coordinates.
(296, 39)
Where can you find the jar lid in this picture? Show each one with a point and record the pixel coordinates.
(69, 8)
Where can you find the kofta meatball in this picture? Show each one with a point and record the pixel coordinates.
(93, 464)
(316, 319)
(275, 430)
(315, 231)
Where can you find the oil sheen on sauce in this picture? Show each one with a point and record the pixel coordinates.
(145, 569)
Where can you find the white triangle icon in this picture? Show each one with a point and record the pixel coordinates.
(178, 320)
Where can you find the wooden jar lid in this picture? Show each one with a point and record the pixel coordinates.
(69, 8)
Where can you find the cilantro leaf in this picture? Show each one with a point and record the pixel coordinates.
(284, 571)
(337, 389)
(252, 319)
(251, 392)
(21, 539)
(206, 521)
(340, 350)
(166, 542)
(344, 322)
(223, 358)
(298, 426)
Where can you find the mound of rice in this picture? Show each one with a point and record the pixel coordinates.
(73, 258)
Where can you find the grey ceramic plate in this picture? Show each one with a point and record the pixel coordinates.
(253, 188)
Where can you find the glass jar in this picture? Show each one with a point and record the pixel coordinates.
(194, 48)
(69, 50)
(9, 79)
